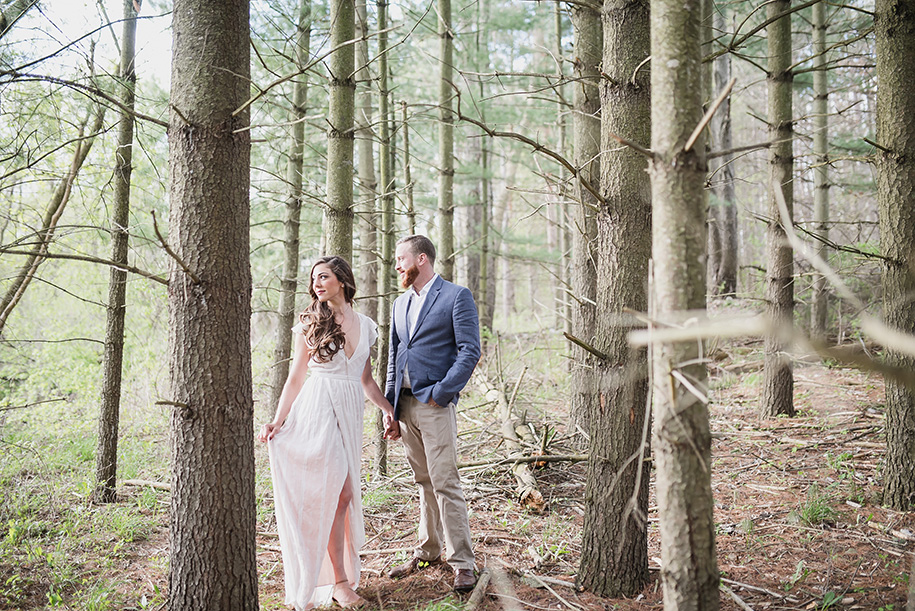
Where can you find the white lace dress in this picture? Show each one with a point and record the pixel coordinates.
(311, 456)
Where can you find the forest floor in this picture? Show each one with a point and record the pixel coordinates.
(797, 508)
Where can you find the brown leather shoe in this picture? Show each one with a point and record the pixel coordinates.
(411, 566)
(464, 580)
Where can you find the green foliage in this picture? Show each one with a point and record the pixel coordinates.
(816, 509)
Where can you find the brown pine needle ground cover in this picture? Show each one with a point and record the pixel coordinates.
(800, 525)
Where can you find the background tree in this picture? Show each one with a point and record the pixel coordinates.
(778, 378)
(295, 162)
(212, 551)
(723, 229)
(895, 33)
(106, 454)
(586, 128)
(820, 300)
(682, 439)
(614, 559)
(338, 225)
(445, 246)
(367, 219)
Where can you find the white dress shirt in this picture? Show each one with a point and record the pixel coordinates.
(414, 305)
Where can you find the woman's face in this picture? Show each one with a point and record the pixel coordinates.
(325, 284)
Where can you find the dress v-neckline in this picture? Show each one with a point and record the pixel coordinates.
(359, 326)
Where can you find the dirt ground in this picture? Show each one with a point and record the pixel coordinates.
(800, 525)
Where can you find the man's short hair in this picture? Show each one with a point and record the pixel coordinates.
(419, 244)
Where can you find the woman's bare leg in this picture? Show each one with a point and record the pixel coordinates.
(343, 593)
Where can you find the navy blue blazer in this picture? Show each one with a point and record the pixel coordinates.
(444, 349)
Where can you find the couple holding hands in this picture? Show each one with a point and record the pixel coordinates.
(315, 439)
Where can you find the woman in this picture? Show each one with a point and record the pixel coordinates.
(315, 443)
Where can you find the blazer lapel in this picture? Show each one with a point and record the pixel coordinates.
(428, 302)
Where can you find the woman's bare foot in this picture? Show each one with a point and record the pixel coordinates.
(346, 597)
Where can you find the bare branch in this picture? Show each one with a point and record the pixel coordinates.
(709, 113)
(171, 253)
(89, 259)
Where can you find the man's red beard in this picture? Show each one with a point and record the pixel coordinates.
(408, 277)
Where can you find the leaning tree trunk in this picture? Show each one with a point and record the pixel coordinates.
(682, 438)
(820, 304)
(445, 143)
(586, 22)
(338, 219)
(614, 557)
(895, 33)
(293, 212)
(106, 453)
(778, 378)
(367, 267)
(212, 561)
(45, 236)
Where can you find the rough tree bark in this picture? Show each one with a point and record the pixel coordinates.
(820, 309)
(445, 254)
(106, 452)
(586, 23)
(614, 559)
(293, 211)
(895, 33)
(212, 561)
(338, 214)
(682, 438)
(777, 396)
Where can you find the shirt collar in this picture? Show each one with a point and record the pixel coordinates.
(425, 289)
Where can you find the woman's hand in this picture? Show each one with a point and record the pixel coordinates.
(268, 431)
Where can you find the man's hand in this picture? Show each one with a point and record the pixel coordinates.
(433, 403)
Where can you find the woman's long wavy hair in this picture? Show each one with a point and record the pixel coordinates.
(323, 335)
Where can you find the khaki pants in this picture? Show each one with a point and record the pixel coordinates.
(430, 439)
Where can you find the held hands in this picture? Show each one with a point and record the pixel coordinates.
(391, 426)
(268, 431)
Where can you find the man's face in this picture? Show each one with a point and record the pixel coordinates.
(405, 265)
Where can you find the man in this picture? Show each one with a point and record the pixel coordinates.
(435, 345)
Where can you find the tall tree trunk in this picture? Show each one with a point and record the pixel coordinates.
(368, 186)
(778, 378)
(293, 210)
(212, 562)
(821, 170)
(445, 249)
(387, 214)
(55, 209)
(586, 22)
(338, 225)
(614, 559)
(106, 453)
(682, 438)
(723, 208)
(895, 33)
